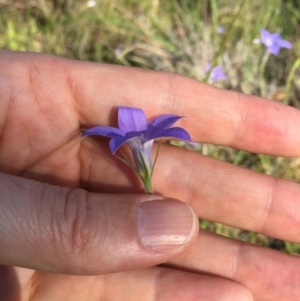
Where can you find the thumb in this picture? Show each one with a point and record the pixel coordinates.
(64, 230)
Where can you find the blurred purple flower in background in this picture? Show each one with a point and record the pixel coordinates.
(140, 134)
(216, 73)
(118, 51)
(220, 29)
(273, 42)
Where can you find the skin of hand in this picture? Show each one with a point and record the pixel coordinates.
(74, 222)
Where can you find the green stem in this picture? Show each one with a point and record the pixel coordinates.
(224, 42)
(148, 185)
(146, 176)
(287, 91)
(157, 151)
(145, 179)
(261, 74)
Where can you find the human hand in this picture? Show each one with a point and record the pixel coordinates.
(47, 100)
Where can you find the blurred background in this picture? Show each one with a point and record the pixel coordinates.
(189, 37)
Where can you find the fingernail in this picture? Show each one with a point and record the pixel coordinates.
(166, 224)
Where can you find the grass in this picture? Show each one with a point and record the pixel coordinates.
(178, 36)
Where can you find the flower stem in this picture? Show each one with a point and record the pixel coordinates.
(148, 185)
(146, 179)
(224, 42)
(261, 74)
(290, 77)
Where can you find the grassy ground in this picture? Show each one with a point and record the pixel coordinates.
(178, 36)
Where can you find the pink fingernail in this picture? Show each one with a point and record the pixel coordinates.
(166, 224)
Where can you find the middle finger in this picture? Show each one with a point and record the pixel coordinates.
(217, 191)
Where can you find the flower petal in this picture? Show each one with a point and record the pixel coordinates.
(159, 124)
(176, 132)
(275, 37)
(217, 73)
(116, 143)
(274, 49)
(164, 121)
(285, 44)
(131, 119)
(207, 67)
(140, 147)
(265, 35)
(105, 131)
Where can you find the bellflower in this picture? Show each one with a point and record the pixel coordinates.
(216, 73)
(139, 134)
(273, 42)
(118, 52)
(220, 29)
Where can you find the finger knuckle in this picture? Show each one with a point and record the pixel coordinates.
(78, 233)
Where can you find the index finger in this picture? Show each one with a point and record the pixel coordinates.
(212, 115)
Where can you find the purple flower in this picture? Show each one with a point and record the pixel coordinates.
(220, 29)
(140, 134)
(216, 73)
(273, 41)
(118, 52)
